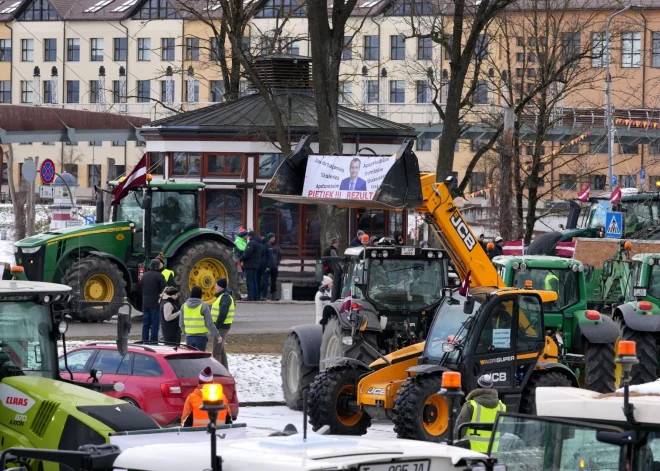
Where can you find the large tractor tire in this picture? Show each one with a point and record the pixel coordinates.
(420, 413)
(647, 353)
(96, 279)
(599, 367)
(202, 263)
(327, 400)
(333, 347)
(539, 380)
(296, 376)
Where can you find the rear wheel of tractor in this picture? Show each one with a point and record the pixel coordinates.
(327, 403)
(538, 380)
(296, 377)
(420, 413)
(202, 263)
(647, 353)
(599, 367)
(96, 279)
(333, 347)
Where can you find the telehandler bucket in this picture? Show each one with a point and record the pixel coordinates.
(313, 179)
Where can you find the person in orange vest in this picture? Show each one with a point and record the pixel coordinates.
(192, 416)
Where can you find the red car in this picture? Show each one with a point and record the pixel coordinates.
(157, 378)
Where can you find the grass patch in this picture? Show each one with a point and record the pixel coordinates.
(255, 343)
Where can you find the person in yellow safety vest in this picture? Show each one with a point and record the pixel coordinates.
(196, 322)
(192, 415)
(551, 282)
(481, 406)
(167, 273)
(222, 312)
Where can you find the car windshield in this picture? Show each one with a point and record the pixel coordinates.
(448, 320)
(654, 283)
(532, 443)
(639, 214)
(405, 284)
(564, 282)
(25, 338)
(597, 213)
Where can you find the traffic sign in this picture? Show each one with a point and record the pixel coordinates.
(90, 220)
(29, 170)
(46, 192)
(47, 172)
(642, 174)
(614, 182)
(613, 225)
(74, 223)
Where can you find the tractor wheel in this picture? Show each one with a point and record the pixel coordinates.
(538, 380)
(333, 347)
(647, 353)
(327, 403)
(296, 377)
(96, 279)
(599, 367)
(202, 263)
(420, 413)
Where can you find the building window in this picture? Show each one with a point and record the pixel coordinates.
(424, 144)
(97, 49)
(118, 144)
(397, 48)
(95, 143)
(5, 50)
(5, 91)
(27, 50)
(163, 91)
(143, 91)
(72, 169)
(481, 93)
(347, 52)
(186, 163)
(48, 92)
(120, 49)
(598, 182)
(572, 149)
(268, 163)
(155, 9)
(628, 181)
(424, 49)
(567, 181)
(631, 51)
(372, 91)
(224, 164)
(167, 49)
(93, 175)
(26, 91)
(630, 149)
(447, 46)
(195, 98)
(50, 50)
(481, 48)
(94, 89)
(144, 49)
(215, 49)
(72, 91)
(423, 91)
(224, 210)
(654, 148)
(598, 48)
(476, 144)
(280, 9)
(397, 91)
(217, 91)
(570, 43)
(192, 49)
(117, 95)
(656, 51)
(531, 73)
(39, 10)
(345, 93)
(411, 7)
(282, 219)
(371, 48)
(477, 181)
(290, 46)
(73, 49)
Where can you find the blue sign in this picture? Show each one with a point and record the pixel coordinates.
(614, 225)
(614, 182)
(642, 174)
(47, 172)
(90, 220)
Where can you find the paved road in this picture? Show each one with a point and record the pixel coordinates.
(251, 318)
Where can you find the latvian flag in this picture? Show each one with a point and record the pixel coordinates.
(514, 247)
(565, 249)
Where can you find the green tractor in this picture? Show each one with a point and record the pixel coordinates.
(586, 338)
(104, 262)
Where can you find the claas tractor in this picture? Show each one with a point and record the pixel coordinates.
(104, 262)
(585, 337)
(41, 406)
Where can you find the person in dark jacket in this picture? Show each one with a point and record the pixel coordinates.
(223, 310)
(398, 239)
(497, 250)
(152, 284)
(251, 260)
(263, 267)
(332, 251)
(357, 241)
(484, 399)
(169, 315)
(275, 257)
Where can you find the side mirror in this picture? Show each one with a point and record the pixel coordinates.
(123, 330)
(146, 202)
(617, 438)
(468, 305)
(608, 268)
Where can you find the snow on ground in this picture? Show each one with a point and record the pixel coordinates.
(646, 388)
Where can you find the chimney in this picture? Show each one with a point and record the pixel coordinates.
(284, 73)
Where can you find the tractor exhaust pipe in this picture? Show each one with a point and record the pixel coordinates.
(100, 207)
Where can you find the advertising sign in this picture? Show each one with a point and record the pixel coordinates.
(345, 177)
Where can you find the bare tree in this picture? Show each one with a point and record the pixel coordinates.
(18, 195)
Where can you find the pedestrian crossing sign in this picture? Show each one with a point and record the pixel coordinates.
(614, 225)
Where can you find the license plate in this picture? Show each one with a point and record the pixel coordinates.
(398, 466)
(639, 292)
(408, 251)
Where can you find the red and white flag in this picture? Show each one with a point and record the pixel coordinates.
(584, 194)
(514, 247)
(615, 196)
(135, 179)
(346, 305)
(565, 249)
(464, 290)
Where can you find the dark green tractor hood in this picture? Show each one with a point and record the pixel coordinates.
(53, 236)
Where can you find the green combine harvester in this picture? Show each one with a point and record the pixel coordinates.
(104, 262)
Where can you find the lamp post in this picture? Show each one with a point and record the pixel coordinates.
(212, 404)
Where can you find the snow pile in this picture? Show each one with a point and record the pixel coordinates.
(646, 388)
(257, 377)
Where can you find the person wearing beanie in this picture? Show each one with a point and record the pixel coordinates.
(192, 415)
(357, 241)
(240, 242)
(481, 406)
(169, 315)
(222, 312)
(251, 260)
(423, 245)
(152, 285)
(274, 259)
(196, 321)
(322, 297)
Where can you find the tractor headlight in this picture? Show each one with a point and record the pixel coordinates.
(374, 254)
(516, 265)
(651, 261)
(30, 249)
(574, 268)
(580, 268)
(429, 254)
(62, 327)
(385, 254)
(47, 299)
(523, 266)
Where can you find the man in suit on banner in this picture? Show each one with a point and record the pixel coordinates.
(353, 183)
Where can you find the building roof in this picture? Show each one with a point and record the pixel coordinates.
(250, 115)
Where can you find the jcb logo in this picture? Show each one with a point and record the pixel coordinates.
(498, 377)
(463, 231)
(377, 391)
